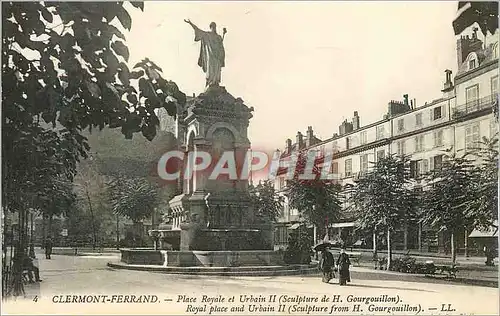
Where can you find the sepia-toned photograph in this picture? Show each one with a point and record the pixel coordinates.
(250, 157)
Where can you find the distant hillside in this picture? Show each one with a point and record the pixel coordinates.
(136, 157)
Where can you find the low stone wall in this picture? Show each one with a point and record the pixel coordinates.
(202, 258)
(142, 256)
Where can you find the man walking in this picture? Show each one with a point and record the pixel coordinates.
(48, 247)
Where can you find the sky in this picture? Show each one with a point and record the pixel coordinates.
(301, 64)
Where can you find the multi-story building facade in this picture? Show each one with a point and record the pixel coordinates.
(455, 122)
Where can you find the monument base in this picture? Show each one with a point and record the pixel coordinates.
(201, 258)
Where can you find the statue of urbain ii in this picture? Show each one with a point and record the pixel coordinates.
(212, 55)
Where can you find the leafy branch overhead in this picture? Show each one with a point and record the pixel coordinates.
(67, 62)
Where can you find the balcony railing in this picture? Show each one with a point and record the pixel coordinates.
(475, 106)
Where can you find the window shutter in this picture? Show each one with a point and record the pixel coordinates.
(425, 167)
(431, 163)
(443, 110)
(435, 139)
(431, 114)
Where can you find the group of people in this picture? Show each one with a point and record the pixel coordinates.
(329, 266)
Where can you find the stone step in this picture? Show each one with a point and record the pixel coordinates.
(222, 271)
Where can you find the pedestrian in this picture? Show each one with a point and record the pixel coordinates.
(33, 271)
(327, 263)
(48, 247)
(343, 264)
(489, 256)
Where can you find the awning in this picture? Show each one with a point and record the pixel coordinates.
(342, 225)
(491, 232)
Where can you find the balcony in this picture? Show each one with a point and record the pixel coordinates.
(474, 106)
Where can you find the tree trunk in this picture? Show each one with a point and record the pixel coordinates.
(374, 243)
(44, 230)
(117, 232)
(17, 280)
(453, 250)
(420, 237)
(389, 250)
(94, 233)
(466, 244)
(49, 227)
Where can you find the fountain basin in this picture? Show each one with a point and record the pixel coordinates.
(200, 258)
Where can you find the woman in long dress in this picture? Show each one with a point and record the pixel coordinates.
(326, 265)
(343, 264)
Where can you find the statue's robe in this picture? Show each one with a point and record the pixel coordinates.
(212, 55)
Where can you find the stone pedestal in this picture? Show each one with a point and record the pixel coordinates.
(215, 213)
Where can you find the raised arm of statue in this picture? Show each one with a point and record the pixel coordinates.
(198, 33)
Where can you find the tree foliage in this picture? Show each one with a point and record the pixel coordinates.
(67, 63)
(447, 196)
(64, 70)
(483, 210)
(299, 249)
(318, 200)
(382, 198)
(267, 203)
(448, 192)
(134, 198)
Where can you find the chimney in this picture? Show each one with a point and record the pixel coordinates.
(448, 84)
(309, 136)
(288, 146)
(466, 45)
(405, 98)
(300, 141)
(355, 121)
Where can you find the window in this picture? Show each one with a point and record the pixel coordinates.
(472, 64)
(347, 143)
(401, 148)
(438, 138)
(401, 125)
(436, 162)
(471, 136)
(380, 132)
(419, 143)
(362, 138)
(436, 113)
(348, 167)
(418, 119)
(423, 167)
(472, 95)
(495, 51)
(380, 154)
(364, 162)
(334, 168)
(418, 168)
(494, 87)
